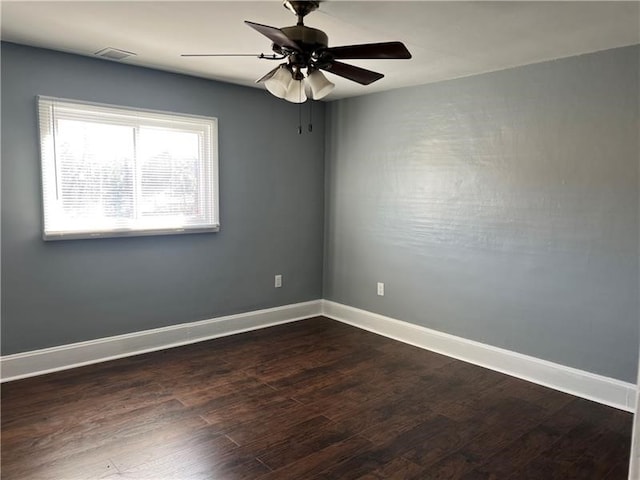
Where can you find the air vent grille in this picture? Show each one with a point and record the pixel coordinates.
(113, 53)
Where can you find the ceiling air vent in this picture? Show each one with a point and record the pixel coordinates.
(113, 53)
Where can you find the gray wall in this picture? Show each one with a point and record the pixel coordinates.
(502, 208)
(271, 197)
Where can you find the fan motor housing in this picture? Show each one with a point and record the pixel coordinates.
(310, 39)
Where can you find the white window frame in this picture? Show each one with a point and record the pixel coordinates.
(54, 228)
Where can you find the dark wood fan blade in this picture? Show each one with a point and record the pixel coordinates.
(356, 74)
(274, 34)
(257, 55)
(387, 50)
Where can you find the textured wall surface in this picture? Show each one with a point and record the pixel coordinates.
(502, 208)
(271, 211)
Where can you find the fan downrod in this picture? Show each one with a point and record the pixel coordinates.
(301, 8)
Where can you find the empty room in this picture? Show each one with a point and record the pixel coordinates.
(319, 240)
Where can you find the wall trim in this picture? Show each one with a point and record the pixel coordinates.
(601, 389)
(47, 360)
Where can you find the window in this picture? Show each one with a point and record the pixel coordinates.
(113, 171)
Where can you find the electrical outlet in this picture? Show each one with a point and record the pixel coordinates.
(278, 281)
(381, 289)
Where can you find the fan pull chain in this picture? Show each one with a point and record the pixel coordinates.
(299, 119)
(310, 115)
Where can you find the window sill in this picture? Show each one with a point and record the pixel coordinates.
(54, 236)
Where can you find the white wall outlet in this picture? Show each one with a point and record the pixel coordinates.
(381, 289)
(278, 281)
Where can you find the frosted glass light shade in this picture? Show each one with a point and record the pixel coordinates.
(278, 84)
(295, 92)
(320, 86)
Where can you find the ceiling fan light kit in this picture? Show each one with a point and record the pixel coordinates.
(319, 85)
(282, 83)
(306, 51)
(278, 83)
(295, 92)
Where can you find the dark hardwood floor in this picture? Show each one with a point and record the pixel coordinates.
(314, 400)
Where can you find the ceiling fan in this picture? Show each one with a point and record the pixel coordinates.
(306, 51)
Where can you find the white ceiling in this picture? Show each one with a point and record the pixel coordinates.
(447, 39)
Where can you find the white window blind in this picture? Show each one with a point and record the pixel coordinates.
(113, 171)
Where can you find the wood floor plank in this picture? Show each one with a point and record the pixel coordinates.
(619, 471)
(168, 448)
(383, 414)
(397, 469)
(305, 384)
(506, 422)
(285, 416)
(387, 450)
(602, 453)
(80, 443)
(551, 400)
(519, 453)
(453, 467)
(239, 409)
(318, 461)
(309, 400)
(46, 419)
(201, 452)
(302, 442)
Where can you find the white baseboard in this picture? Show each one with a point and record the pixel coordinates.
(583, 384)
(598, 388)
(38, 362)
